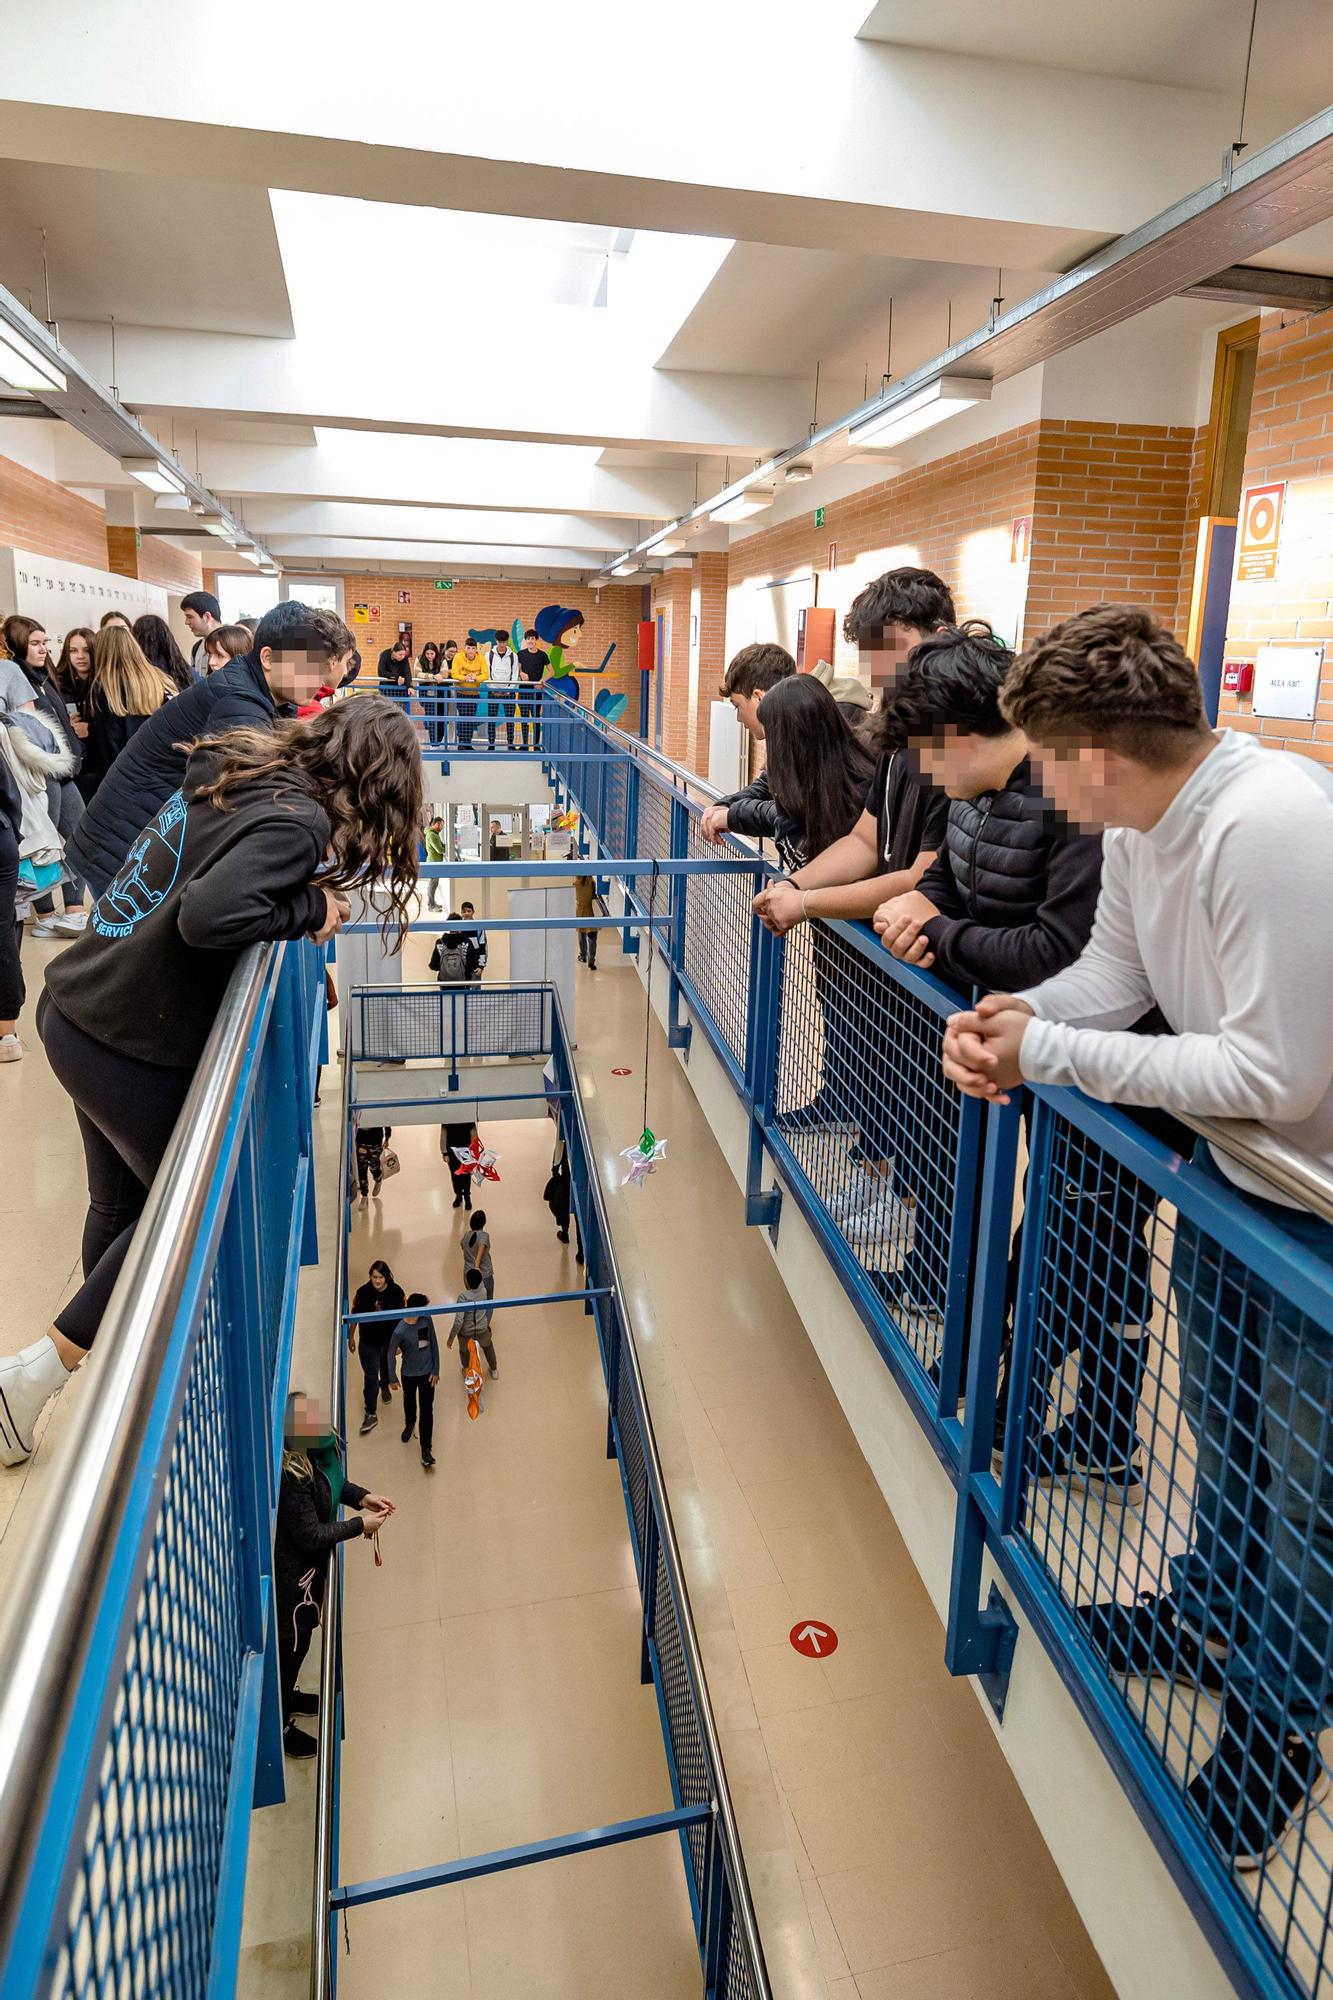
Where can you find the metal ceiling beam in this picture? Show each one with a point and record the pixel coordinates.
(97, 414)
(1280, 190)
(1253, 285)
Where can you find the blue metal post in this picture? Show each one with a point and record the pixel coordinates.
(762, 1022)
(629, 939)
(678, 1028)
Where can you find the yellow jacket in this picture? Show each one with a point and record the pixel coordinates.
(469, 673)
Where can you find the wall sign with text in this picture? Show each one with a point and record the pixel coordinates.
(1286, 681)
(1257, 535)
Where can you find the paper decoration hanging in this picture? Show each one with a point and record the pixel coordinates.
(479, 1160)
(641, 1160)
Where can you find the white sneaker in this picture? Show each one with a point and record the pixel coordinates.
(884, 1232)
(11, 1049)
(70, 922)
(44, 927)
(28, 1380)
(854, 1198)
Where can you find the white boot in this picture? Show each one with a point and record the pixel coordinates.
(28, 1380)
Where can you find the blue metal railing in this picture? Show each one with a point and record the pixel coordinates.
(1133, 1396)
(701, 1816)
(138, 1699)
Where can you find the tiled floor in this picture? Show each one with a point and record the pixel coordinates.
(493, 1688)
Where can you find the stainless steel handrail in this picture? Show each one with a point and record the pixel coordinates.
(728, 1832)
(320, 1968)
(52, 1606)
(1287, 1170)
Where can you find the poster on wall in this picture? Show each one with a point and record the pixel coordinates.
(360, 614)
(1257, 537)
(404, 597)
(66, 594)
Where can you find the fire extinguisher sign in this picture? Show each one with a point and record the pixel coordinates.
(1260, 526)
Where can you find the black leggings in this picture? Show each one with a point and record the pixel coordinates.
(12, 991)
(127, 1111)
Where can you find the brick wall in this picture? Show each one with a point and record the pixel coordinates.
(447, 614)
(708, 603)
(175, 569)
(1291, 439)
(39, 515)
(1109, 519)
(954, 516)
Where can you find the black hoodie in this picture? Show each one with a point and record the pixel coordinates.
(152, 765)
(199, 884)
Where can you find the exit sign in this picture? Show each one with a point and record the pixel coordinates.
(445, 582)
(819, 517)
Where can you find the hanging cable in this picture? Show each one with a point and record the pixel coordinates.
(888, 350)
(1240, 142)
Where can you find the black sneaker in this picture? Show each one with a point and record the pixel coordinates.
(1255, 1787)
(368, 1422)
(384, 1395)
(427, 1460)
(407, 1434)
(562, 1236)
(297, 1743)
(458, 1201)
(1063, 1460)
(305, 1704)
(1146, 1639)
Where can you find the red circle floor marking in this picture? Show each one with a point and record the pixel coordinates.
(813, 1640)
(622, 1072)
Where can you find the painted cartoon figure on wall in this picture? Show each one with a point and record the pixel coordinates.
(559, 629)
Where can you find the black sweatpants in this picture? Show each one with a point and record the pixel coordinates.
(12, 990)
(126, 1110)
(373, 1347)
(298, 1621)
(419, 1394)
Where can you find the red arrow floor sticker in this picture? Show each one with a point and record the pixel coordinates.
(814, 1640)
(622, 1072)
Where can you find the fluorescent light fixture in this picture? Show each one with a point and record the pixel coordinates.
(935, 404)
(795, 473)
(752, 501)
(24, 366)
(215, 525)
(151, 472)
(625, 569)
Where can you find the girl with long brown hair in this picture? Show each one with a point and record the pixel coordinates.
(266, 838)
(124, 689)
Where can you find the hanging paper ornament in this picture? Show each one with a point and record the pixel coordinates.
(478, 1159)
(472, 1382)
(642, 1159)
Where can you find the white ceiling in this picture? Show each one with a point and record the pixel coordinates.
(1197, 44)
(137, 249)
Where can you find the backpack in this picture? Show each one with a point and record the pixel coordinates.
(450, 962)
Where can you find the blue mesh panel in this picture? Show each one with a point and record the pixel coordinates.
(718, 917)
(1176, 1482)
(140, 1917)
(453, 1022)
(863, 1103)
(688, 1756)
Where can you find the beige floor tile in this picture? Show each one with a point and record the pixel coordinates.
(1011, 1967)
(915, 1904)
(763, 1613)
(411, 1945)
(784, 1681)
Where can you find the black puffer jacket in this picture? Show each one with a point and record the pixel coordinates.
(755, 811)
(1015, 888)
(152, 766)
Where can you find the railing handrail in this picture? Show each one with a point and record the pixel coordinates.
(728, 1832)
(1285, 1167)
(56, 1596)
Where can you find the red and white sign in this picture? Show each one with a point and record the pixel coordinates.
(1257, 537)
(374, 614)
(622, 1072)
(813, 1640)
(404, 597)
(1020, 539)
(833, 555)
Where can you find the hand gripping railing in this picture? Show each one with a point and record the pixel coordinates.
(134, 1632)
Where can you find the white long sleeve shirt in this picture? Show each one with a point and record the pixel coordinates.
(502, 667)
(1222, 914)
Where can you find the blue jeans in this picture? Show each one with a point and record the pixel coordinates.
(1257, 1388)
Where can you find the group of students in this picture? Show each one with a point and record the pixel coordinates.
(228, 819)
(385, 1342)
(1065, 836)
(506, 678)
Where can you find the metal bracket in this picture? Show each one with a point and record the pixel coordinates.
(763, 1210)
(998, 1629)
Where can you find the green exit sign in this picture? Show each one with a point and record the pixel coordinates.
(445, 582)
(819, 517)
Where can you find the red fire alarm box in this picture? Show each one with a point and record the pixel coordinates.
(1238, 676)
(647, 645)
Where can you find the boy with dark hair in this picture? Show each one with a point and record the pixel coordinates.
(414, 1354)
(481, 950)
(289, 661)
(1212, 842)
(533, 661)
(903, 823)
(473, 1322)
(454, 958)
(203, 614)
(434, 838)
